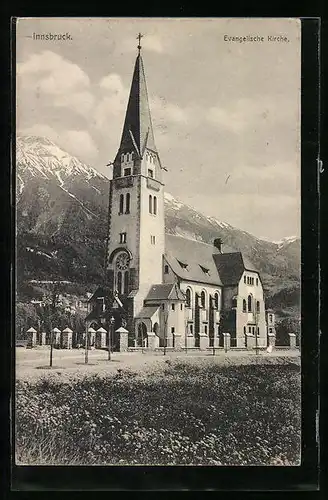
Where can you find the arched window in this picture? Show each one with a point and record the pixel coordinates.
(244, 306)
(216, 300)
(150, 204)
(249, 303)
(119, 282)
(270, 318)
(203, 299)
(121, 203)
(258, 306)
(155, 205)
(126, 282)
(258, 331)
(127, 203)
(188, 297)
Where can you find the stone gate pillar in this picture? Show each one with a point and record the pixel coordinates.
(92, 336)
(31, 337)
(203, 341)
(101, 338)
(292, 340)
(226, 341)
(153, 341)
(177, 341)
(56, 337)
(123, 339)
(271, 340)
(43, 338)
(67, 338)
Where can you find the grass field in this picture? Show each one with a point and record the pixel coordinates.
(178, 411)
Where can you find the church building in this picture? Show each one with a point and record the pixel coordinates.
(167, 290)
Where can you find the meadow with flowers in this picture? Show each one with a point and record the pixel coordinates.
(177, 413)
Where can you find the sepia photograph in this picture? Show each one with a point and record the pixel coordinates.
(158, 241)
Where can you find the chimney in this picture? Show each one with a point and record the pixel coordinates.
(218, 244)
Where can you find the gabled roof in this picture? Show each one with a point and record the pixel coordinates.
(137, 129)
(101, 291)
(147, 312)
(195, 255)
(231, 267)
(165, 291)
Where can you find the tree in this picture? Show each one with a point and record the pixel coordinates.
(26, 316)
(286, 326)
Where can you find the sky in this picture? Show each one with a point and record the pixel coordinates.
(226, 114)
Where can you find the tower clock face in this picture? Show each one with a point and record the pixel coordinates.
(122, 262)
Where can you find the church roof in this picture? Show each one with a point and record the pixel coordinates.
(191, 260)
(164, 291)
(231, 267)
(137, 129)
(147, 312)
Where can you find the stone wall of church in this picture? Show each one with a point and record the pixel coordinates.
(250, 320)
(197, 320)
(151, 235)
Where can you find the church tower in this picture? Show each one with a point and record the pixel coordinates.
(136, 204)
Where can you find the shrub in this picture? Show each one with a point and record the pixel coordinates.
(180, 414)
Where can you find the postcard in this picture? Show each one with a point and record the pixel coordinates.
(158, 241)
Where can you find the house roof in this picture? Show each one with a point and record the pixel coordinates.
(147, 312)
(101, 291)
(164, 291)
(187, 258)
(231, 267)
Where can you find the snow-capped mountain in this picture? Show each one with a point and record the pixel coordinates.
(286, 241)
(38, 156)
(62, 207)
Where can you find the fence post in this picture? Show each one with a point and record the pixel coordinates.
(101, 338)
(67, 336)
(226, 341)
(31, 337)
(292, 340)
(92, 339)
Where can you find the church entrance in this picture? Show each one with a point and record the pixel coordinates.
(142, 337)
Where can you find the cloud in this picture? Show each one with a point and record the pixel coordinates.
(80, 143)
(164, 111)
(228, 119)
(112, 82)
(52, 74)
(76, 142)
(81, 102)
(244, 113)
(275, 180)
(42, 130)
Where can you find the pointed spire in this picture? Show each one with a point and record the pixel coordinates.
(138, 130)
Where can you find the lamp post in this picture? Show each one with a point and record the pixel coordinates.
(86, 352)
(256, 327)
(186, 342)
(51, 344)
(112, 321)
(142, 338)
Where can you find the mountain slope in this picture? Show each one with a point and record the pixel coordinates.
(62, 209)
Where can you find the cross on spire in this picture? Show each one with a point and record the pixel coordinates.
(139, 38)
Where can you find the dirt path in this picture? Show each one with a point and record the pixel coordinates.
(34, 363)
